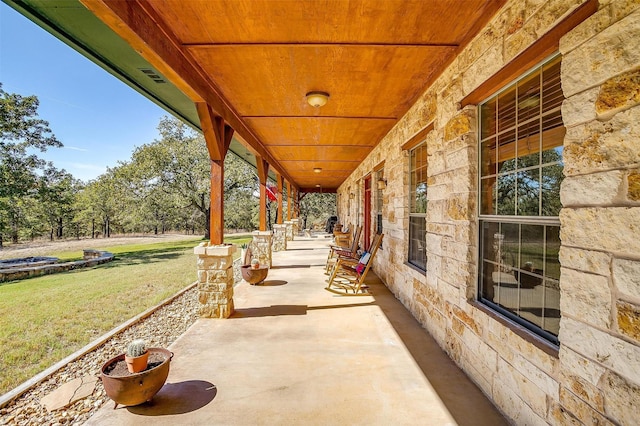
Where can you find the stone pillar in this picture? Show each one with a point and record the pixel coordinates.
(262, 247)
(215, 280)
(279, 237)
(296, 226)
(289, 230)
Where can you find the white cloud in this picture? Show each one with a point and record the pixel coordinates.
(75, 148)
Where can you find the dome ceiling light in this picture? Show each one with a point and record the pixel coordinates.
(317, 99)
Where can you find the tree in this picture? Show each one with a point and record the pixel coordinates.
(56, 193)
(20, 131)
(316, 208)
(174, 173)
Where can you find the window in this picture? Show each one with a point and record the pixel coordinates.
(521, 138)
(379, 195)
(418, 206)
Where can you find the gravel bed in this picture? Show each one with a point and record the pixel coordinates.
(160, 329)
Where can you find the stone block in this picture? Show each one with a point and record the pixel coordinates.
(577, 365)
(69, 393)
(461, 158)
(610, 351)
(626, 276)
(559, 415)
(603, 145)
(214, 262)
(586, 297)
(461, 206)
(618, 93)
(595, 262)
(633, 186)
(585, 413)
(628, 316)
(484, 67)
(610, 53)
(462, 123)
(611, 229)
(580, 108)
(521, 385)
(584, 390)
(593, 189)
(622, 399)
(514, 407)
(220, 275)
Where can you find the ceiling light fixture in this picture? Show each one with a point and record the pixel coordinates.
(317, 99)
(317, 170)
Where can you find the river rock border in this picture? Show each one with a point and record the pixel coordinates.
(90, 258)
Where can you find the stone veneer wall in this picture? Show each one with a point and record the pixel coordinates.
(594, 378)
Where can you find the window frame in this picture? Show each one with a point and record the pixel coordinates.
(520, 220)
(379, 200)
(417, 215)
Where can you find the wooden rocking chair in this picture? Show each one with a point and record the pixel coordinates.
(342, 238)
(349, 274)
(337, 250)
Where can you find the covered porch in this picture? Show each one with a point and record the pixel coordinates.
(293, 353)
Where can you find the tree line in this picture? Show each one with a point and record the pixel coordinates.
(164, 186)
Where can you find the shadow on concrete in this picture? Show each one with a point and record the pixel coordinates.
(177, 398)
(440, 370)
(277, 310)
(270, 311)
(272, 283)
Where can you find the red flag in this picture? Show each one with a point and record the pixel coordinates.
(271, 193)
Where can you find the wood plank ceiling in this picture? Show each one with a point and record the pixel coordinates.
(258, 59)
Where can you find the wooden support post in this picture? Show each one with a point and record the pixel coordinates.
(289, 201)
(263, 172)
(218, 136)
(279, 180)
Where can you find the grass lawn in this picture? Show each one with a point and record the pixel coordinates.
(44, 319)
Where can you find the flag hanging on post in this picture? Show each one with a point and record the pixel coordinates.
(272, 192)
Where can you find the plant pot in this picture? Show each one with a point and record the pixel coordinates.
(252, 275)
(139, 387)
(136, 364)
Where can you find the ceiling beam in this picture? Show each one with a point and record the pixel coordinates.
(138, 24)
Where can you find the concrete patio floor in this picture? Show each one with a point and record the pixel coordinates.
(294, 353)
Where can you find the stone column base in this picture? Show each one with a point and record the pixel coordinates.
(279, 237)
(261, 247)
(215, 280)
(296, 227)
(289, 230)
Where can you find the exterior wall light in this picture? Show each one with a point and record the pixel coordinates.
(382, 183)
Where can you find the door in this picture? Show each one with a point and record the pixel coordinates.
(367, 212)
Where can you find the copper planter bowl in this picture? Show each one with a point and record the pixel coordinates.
(138, 387)
(254, 276)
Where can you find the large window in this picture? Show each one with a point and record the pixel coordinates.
(521, 138)
(379, 200)
(418, 206)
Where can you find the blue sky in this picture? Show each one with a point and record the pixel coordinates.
(98, 118)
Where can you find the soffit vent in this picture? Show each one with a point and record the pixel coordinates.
(153, 75)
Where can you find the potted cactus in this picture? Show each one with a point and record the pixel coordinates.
(255, 264)
(137, 356)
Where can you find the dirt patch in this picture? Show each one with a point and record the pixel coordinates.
(44, 247)
(119, 368)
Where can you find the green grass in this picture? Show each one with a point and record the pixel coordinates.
(44, 319)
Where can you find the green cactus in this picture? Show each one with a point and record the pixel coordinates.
(136, 348)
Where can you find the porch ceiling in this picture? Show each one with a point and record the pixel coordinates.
(254, 61)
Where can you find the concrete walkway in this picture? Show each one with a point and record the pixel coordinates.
(295, 354)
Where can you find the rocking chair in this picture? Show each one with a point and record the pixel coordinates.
(337, 250)
(349, 274)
